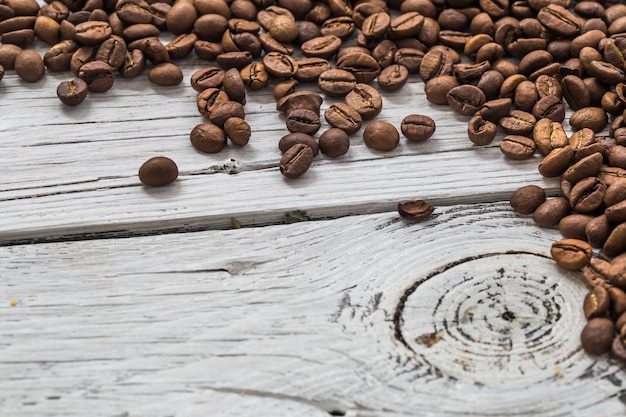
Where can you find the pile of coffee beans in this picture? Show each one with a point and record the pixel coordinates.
(515, 67)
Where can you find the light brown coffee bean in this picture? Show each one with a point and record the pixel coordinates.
(207, 137)
(526, 199)
(29, 66)
(596, 302)
(381, 136)
(296, 161)
(158, 171)
(334, 142)
(517, 147)
(415, 210)
(237, 130)
(550, 212)
(165, 74)
(571, 254)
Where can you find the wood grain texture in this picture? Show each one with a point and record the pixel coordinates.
(360, 316)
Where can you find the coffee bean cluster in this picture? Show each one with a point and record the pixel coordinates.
(524, 61)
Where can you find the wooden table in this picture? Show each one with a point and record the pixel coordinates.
(121, 300)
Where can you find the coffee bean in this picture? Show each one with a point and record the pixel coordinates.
(415, 210)
(596, 272)
(596, 302)
(239, 60)
(597, 231)
(597, 336)
(364, 67)
(465, 99)
(292, 139)
(255, 76)
(617, 212)
(321, 47)
(336, 82)
(134, 64)
(559, 20)
(296, 161)
(165, 74)
(550, 212)
(587, 195)
(549, 135)
(72, 92)
(29, 66)
(556, 162)
(518, 122)
(593, 118)
(303, 121)
(283, 28)
(334, 142)
(381, 136)
(480, 131)
(158, 171)
(280, 65)
(573, 226)
(365, 100)
(526, 199)
(209, 100)
(586, 167)
(237, 130)
(417, 127)
(225, 111)
(344, 117)
(300, 100)
(309, 69)
(208, 77)
(517, 147)
(207, 137)
(437, 88)
(98, 75)
(393, 77)
(234, 86)
(549, 107)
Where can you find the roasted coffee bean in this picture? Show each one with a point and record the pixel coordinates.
(234, 86)
(344, 117)
(47, 29)
(321, 47)
(548, 86)
(556, 162)
(411, 58)
(549, 135)
(597, 231)
(237, 130)
(415, 210)
(29, 66)
(596, 272)
(406, 25)
(158, 171)
(299, 100)
(586, 167)
(307, 30)
(284, 88)
(517, 147)
(381, 136)
(481, 131)
(615, 193)
(526, 199)
(525, 96)
(280, 65)
(72, 92)
(296, 161)
(209, 100)
(617, 212)
(98, 75)
(559, 20)
(165, 74)
(494, 110)
(587, 195)
(596, 302)
(255, 76)
(597, 336)
(550, 212)
(336, 82)
(393, 77)
(292, 139)
(334, 142)
(309, 69)
(573, 226)
(549, 107)
(209, 51)
(181, 46)
(417, 127)
(618, 302)
(92, 32)
(283, 28)
(58, 57)
(225, 111)
(207, 137)
(112, 51)
(575, 92)
(376, 26)
(518, 122)
(465, 99)
(617, 156)
(208, 77)
(435, 63)
(490, 82)
(343, 27)
(152, 48)
(384, 53)
(303, 121)
(134, 64)
(437, 88)
(366, 100)
(364, 67)
(593, 118)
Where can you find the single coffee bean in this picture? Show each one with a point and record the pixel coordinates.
(556, 162)
(525, 95)
(549, 135)
(384, 53)
(334, 142)
(366, 100)
(321, 47)
(292, 139)
(465, 99)
(296, 161)
(280, 65)
(575, 92)
(134, 64)
(550, 212)
(518, 122)
(92, 32)
(417, 127)
(586, 167)
(152, 48)
(597, 273)
(207, 137)
(597, 336)
(411, 58)
(181, 46)
(303, 121)
(237, 60)
(490, 82)
(559, 20)
(364, 67)
(573, 226)
(309, 69)
(617, 212)
(237, 130)
(618, 348)
(376, 26)
(58, 57)
(234, 86)
(112, 51)
(381, 136)
(494, 110)
(255, 76)
(587, 195)
(29, 66)
(415, 210)
(526, 199)
(336, 82)
(283, 28)
(517, 147)
(158, 171)
(393, 77)
(98, 75)
(618, 302)
(283, 88)
(615, 193)
(299, 100)
(593, 118)
(229, 109)
(571, 254)
(406, 25)
(596, 302)
(437, 88)
(435, 63)
(549, 107)
(597, 231)
(165, 74)
(72, 92)
(480, 131)
(208, 77)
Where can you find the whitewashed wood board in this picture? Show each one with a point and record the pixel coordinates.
(461, 314)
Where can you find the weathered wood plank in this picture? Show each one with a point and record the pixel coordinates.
(365, 316)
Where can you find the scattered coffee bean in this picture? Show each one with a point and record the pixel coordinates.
(526, 199)
(72, 92)
(29, 66)
(344, 117)
(380, 135)
(207, 137)
(334, 142)
(158, 171)
(417, 127)
(292, 139)
(237, 130)
(571, 254)
(415, 210)
(296, 161)
(165, 74)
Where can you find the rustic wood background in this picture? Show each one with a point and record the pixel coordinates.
(141, 301)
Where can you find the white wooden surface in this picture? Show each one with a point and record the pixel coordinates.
(355, 313)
